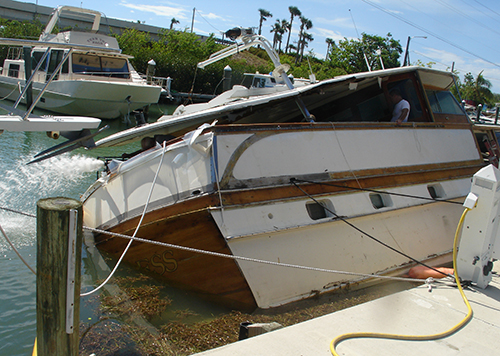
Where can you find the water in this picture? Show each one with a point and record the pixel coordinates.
(21, 186)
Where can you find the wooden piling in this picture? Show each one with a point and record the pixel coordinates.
(59, 242)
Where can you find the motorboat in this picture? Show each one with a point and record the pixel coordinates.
(97, 81)
(276, 198)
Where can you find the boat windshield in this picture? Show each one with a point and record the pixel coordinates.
(90, 64)
(443, 102)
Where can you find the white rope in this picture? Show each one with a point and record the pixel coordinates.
(136, 229)
(13, 90)
(16, 251)
(216, 254)
(249, 259)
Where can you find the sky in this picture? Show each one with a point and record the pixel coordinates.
(459, 33)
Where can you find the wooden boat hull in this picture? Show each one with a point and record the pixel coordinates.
(199, 273)
(271, 218)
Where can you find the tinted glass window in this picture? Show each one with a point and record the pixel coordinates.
(443, 102)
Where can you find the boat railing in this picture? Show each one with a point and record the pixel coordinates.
(15, 53)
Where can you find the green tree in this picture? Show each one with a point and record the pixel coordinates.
(330, 43)
(264, 14)
(294, 12)
(285, 27)
(173, 22)
(350, 54)
(276, 29)
(16, 29)
(304, 38)
(476, 89)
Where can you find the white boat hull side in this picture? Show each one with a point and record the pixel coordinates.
(97, 98)
(299, 152)
(185, 171)
(422, 232)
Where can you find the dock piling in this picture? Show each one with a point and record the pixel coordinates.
(59, 248)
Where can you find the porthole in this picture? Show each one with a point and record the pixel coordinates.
(320, 209)
(380, 201)
(436, 191)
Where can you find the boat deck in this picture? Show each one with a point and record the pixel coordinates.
(412, 312)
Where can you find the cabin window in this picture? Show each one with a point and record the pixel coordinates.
(102, 66)
(435, 191)
(259, 82)
(320, 210)
(408, 92)
(373, 109)
(14, 70)
(55, 58)
(36, 57)
(380, 201)
(443, 102)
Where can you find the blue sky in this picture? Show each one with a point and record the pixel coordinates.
(465, 32)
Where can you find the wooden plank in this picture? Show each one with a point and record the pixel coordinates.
(199, 273)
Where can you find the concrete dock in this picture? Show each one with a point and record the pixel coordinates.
(417, 311)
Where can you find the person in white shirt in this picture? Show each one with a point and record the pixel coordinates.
(401, 110)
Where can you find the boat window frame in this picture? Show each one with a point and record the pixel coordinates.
(103, 70)
(413, 92)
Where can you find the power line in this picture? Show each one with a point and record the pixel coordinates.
(455, 29)
(429, 32)
(486, 13)
(487, 8)
(479, 23)
(216, 29)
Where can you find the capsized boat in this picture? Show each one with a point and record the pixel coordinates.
(260, 179)
(97, 81)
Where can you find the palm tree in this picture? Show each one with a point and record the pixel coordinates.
(294, 11)
(306, 38)
(285, 27)
(276, 28)
(330, 42)
(482, 88)
(173, 22)
(307, 24)
(263, 17)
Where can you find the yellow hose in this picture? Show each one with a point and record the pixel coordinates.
(444, 334)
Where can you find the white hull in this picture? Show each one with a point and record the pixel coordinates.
(95, 98)
(424, 232)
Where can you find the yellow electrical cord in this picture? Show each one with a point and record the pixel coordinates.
(449, 332)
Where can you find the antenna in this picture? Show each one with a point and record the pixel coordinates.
(362, 48)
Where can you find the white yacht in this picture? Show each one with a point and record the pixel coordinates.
(93, 78)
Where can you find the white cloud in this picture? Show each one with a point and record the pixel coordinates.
(159, 10)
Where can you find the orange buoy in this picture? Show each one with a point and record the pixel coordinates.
(422, 272)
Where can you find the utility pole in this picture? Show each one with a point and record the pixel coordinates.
(192, 21)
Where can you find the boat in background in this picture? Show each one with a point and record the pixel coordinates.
(314, 176)
(98, 81)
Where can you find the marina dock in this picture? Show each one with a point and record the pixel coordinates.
(416, 311)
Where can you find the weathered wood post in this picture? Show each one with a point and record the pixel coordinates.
(59, 249)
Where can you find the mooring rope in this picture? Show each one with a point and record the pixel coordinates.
(250, 259)
(136, 229)
(233, 257)
(16, 251)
